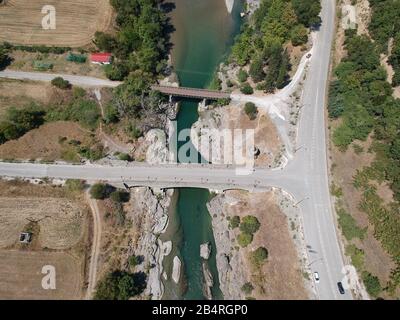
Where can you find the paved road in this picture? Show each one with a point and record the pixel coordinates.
(305, 177)
(75, 80)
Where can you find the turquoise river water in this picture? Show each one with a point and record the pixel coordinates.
(204, 33)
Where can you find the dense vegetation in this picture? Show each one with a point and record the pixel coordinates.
(17, 122)
(362, 99)
(384, 26)
(120, 285)
(263, 39)
(141, 42)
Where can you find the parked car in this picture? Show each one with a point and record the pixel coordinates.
(340, 287)
(308, 56)
(316, 277)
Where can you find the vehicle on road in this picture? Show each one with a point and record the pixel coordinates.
(308, 56)
(340, 287)
(316, 277)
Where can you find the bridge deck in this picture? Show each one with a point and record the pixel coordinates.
(191, 92)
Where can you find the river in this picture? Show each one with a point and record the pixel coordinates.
(204, 33)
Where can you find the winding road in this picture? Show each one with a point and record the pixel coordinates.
(305, 177)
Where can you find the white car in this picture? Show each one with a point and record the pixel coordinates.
(316, 277)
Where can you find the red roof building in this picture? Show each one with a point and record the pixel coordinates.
(101, 58)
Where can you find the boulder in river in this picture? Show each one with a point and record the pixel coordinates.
(205, 250)
(176, 269)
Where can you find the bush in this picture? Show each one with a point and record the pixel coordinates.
(75, 185)
(119, 196)
(246, 88)
(60, 83)
(259, 256)
(247, 288)
(372, 284)
(124, 157)
(99, 191)
(242, 75)
(244, 239)
(234, 222)
(249, 225)
(134, 261)
(120, 285)
(251, 110)
(349, 226)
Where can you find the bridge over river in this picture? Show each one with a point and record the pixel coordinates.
(191, 92)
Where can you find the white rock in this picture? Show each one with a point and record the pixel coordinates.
(205, 250)
(176, 269)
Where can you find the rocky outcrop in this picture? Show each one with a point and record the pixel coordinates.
(149, 214)
(176, 269)
(205, 250)
(208, 282)
(230, 268)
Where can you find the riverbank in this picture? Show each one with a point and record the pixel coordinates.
(281, 276)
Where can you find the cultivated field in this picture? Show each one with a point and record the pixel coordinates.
(21, 275)
(76, 21)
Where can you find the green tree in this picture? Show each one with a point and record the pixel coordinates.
(120, 285)
(259, 256)
(99, 191)
(250, 225)
(256, 70)
(246, 88)
(372, 284)
(234, 222)
(247, 288)
(59, 82)
(244, 239)
(251, 110)
(299, 35)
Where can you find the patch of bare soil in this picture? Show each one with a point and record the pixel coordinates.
(280, 277)
(44, 143)
(363, 11)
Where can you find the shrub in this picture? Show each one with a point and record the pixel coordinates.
(60, 83)
(251, 110)
(372, 284)
(75, 185)
(246, 88)
(99, 191)
(134, 261)
(234, 222)
(244, 239)
(249, 225)
(247, 288)
(349, 226)
(259, 256)
(119, 196)
(124, 157)
(242, 75)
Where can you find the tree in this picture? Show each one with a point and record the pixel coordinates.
(251, 110)
(246, 88)
(120, 285)
(247, 288)
(99, 191)
(59, 82)
(234, 222)
(4, 58)
(244, 239)
(299, 35)
(120, 196)
(259, 256)
(242, 75)
(256, 70)
(250, 225)
(307, 11)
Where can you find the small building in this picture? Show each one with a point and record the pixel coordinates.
(25, 237)
(102, 58)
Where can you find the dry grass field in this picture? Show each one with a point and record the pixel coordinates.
(76, 22)
(59, 222)
(21, 275)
